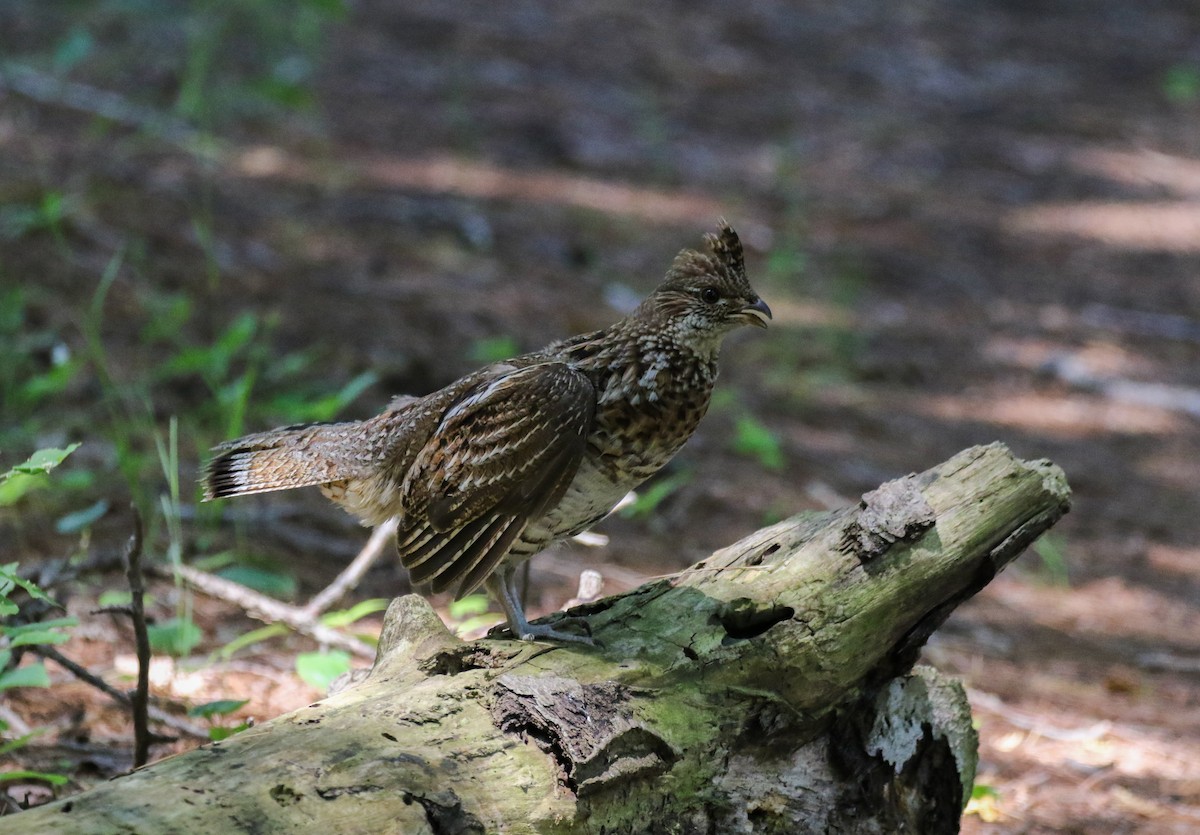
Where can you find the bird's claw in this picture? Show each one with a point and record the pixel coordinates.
(552, 632)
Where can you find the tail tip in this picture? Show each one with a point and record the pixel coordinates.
(224, 476)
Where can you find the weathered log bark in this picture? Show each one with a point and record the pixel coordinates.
(768, 689)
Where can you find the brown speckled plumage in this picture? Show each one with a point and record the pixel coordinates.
(515, 456)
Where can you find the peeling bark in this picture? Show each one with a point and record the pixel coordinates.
(769, 689)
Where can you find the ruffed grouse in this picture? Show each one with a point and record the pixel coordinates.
(500, 464)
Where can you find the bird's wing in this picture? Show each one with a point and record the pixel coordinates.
(502, 456)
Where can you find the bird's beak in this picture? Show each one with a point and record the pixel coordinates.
(756, 314)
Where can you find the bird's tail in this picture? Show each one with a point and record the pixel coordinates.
(295, 456)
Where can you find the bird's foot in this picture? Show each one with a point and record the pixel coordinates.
(553, 632)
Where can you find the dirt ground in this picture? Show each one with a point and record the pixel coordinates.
(974, 221)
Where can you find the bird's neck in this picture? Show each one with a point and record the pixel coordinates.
(643, 363)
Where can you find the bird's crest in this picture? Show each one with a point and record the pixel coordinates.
(727, 247)
(724, 258)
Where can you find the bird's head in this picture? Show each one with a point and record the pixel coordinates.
(705, 295)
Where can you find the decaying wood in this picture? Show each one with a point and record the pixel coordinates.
(770, 688)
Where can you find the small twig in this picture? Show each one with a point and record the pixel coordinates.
(16, 725)
(139, 699)
(12, 806)
(270, 610)
(84, 98)
(83, 674)
(350, 577)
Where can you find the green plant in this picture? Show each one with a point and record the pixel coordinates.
(211, 711)
(649, 498)
(38, 366)
(347, 617)
(244, 57)
(984, 803)
(1053, 558)
(31, 473)
(1181, 84)
(179, 635)
(319, 669)
(17, 220)
(493, 349)
(754, 440)
(30, 634)
(471, 613)
(14, 636)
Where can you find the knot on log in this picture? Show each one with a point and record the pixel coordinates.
(588, 729)
(894, 512)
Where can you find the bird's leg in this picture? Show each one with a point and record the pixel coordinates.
(502, 586)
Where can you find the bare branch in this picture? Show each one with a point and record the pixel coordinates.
(139, 699)
(350, 577)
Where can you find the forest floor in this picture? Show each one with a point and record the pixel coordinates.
(974, 222)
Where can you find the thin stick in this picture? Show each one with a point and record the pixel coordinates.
(83, 674)
(270, 610)
(353, 573)
(139, 699)
(93, 100)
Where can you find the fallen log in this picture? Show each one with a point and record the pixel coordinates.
(770, 688)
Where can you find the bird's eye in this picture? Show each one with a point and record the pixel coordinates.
(710, 295)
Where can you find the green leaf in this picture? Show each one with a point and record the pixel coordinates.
(80, 519)
(319, 669)
(10, 578)
(982, 790)
(650, 498)
(488, 619)
(53, 779)
(48, 383)
(31, 675)
(39, 633)
(276, 583)
(1054, 559)
(43, 636)
(114, 597)
(469, 606)
(219, 732)
(168, 315)
(174, 637)
(14, 486)
(220, 707)
(30, 474)
(11, 745)
(326, 408)
(757, 441)
(42, 461)
(494, 349)
(254, 636)
(355, 613)
(53, 623)
(1181, 84)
